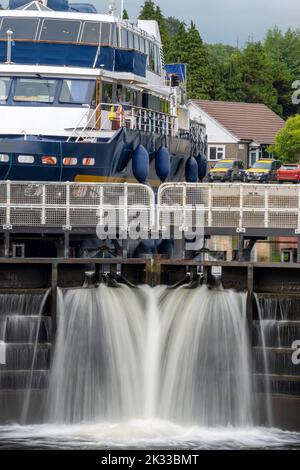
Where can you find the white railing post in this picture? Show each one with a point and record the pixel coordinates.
(209, 216)
(8, 201)
(298, 228)
(132, 126)
(68, 220)
(266, 217)
(43, 204)
(101, 198)
(184, 207)
(241, 213)
(125, 210)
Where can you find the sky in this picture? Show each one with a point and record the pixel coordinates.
(226, 21)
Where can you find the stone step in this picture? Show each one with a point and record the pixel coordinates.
(19, 356)
(276, 333)
(279, 361)
(23, 379)
(278, 384)
(25, 328)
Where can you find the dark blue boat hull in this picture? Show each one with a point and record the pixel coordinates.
(113, 158)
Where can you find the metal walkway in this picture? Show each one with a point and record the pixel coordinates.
(219, 208)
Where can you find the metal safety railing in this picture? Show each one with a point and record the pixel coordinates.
(71, 205)
(239, 206)
(109, 117)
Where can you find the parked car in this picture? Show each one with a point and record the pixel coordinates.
(263, 171)
(227, 170)
(289, 173)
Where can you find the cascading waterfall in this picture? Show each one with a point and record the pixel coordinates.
(264, 327)
(24, 332)
(205, 364)
(97, 373)
(34, 336)
(124, 354)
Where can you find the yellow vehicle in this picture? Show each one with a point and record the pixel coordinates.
(227, 170)
(263, 171)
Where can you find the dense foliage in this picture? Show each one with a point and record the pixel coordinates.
(260, 72)
(287, 146)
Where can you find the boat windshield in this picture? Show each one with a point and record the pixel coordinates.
(22, 28)
(262, 165)
(35, 89)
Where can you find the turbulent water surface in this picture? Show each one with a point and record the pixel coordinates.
(151, 434)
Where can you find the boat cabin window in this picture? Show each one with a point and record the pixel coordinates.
(60, 30)
(4, 158)
(105, 33)
(26, 159)
(142, 45)
(124, 38)
(91, 32)
(76, 91)
(107, 92)
(70, 161)
(114, 35)
(5, 83)
(89, 161)
(130, 40)
(136, 42)
(35, 89)
(22, 28)
(49, 160)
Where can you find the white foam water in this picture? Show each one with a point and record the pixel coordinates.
(144, 434)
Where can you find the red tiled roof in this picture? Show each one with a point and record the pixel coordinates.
(246, 121)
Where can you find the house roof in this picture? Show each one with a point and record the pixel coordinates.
(247, 121)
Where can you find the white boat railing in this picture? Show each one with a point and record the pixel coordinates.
(109, 117)
(238, 207)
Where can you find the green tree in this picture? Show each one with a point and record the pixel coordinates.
(125, 15)
(287, 146)
(256, 76)
(149, 11)
(196, 57)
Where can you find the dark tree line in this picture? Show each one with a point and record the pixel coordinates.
(259, 72)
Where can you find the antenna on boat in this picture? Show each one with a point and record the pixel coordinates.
(9, 34)
(122, 9)
(112, 7)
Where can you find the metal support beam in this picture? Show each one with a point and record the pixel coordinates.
(240, 248)
(6, 243)
(207, 274)
(66, 244)
(250, 299)
(179, 248)
(54, 285)
(125, 248)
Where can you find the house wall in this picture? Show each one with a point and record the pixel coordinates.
(215, 132)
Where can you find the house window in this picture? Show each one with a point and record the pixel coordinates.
(216, 152)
